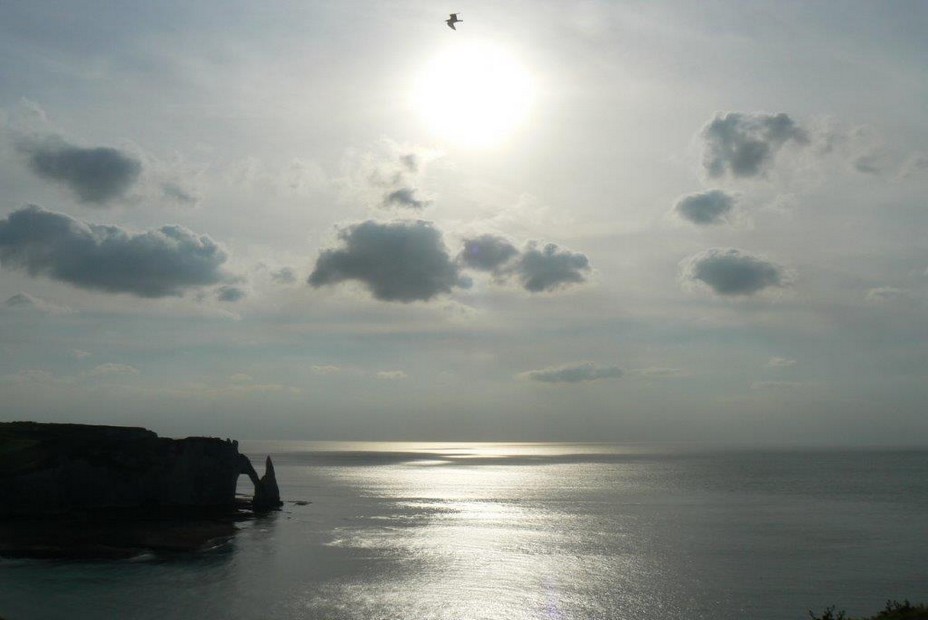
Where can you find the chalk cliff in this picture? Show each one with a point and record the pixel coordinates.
(61, 469)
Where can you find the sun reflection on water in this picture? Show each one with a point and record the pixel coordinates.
(471, 540)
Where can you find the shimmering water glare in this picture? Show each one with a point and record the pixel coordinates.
(531, 531)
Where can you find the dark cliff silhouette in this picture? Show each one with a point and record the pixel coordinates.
(69, 477)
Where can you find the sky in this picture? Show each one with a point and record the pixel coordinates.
(561, 221)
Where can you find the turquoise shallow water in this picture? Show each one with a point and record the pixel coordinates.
(519, 531)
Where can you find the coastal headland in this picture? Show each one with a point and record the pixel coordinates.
(75, 490)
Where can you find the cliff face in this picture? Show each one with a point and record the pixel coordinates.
(54, 469)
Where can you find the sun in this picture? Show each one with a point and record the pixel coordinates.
(474, 95)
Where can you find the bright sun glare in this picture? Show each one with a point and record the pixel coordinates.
(474, 95)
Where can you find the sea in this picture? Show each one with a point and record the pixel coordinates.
(519, 531)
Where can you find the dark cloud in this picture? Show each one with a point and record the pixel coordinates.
(96, 175)
(537, 270)
(405, 197)
(710, 207)
(230, 294)
(549, 268)
(730, 272)
(397, 261)
(745, 145)
(285, 275)
(573, 373)
(156, 263)
(487, 253)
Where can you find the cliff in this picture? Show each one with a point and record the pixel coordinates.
(63, 469)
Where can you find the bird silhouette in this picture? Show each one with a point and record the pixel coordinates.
(453, 20)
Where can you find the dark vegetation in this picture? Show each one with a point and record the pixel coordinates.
(894, 611)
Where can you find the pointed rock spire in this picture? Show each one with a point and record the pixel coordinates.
(267, 494)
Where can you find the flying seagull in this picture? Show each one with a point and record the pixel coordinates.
(453, 20)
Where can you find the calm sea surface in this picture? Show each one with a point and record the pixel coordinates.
(541, 531)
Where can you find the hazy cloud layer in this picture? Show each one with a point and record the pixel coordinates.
(550, 268)
(704, 208)
(487, 253)
(745, 145)
(96, 175)
(731, 272)
(157, 263)
(397, 261)
(573, 373)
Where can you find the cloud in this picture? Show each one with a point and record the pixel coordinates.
(230, 294)
(780, 362)
(889, 294)
(392, 375)
(573, 373)
(487, 253)
(549, 268)
(284, 275)
(96, 175)
(176, 193)
(537, 270)
(80, 354)
(731, 272)
(157, 263)
(869, 164)
(406, 197)
(27, 302)
(705, 208)
(397, 261)
(744, 144)
(395, 177)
